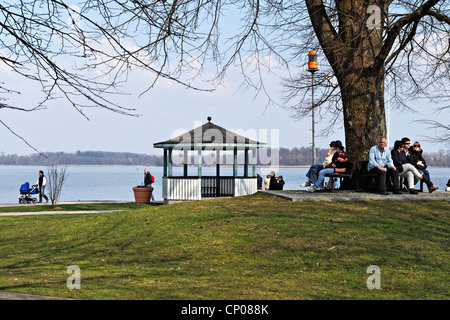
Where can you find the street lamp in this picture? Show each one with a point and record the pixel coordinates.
(313, 66)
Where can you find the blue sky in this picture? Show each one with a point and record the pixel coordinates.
(169, 109)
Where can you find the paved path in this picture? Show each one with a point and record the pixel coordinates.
(2, 214)
(22, 296)
(55, 211)
(59, 203)
(302, 195)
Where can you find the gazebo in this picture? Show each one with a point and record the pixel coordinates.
(215, 140)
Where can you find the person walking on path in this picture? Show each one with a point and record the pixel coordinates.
(41, 183)
(148, 181)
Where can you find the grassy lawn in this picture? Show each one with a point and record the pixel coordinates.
(254, 247)
(75, 207)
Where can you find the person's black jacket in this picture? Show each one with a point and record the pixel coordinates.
(399, 158)
(416, 156)
(273, 183)
(280, 185)
(259, 182)
(148, 179)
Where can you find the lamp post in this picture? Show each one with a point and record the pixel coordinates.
(313, 66)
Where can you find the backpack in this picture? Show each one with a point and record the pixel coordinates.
(153, 179)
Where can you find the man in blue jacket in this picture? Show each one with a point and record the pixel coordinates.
(380, 162)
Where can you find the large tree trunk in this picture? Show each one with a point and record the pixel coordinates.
(364, 114)
(352, 50)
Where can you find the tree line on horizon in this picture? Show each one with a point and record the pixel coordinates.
(286, 157)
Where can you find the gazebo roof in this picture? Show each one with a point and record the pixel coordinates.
(210, 135)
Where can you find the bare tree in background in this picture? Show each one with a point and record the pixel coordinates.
(87, 60)
(442, 131)
(56, 177)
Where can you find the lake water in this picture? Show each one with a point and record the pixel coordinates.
(116, 182)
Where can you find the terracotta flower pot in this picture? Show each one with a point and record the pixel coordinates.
(142, 194)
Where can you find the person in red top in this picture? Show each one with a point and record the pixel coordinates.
(339, 164)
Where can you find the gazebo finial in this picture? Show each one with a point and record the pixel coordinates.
(209, 119)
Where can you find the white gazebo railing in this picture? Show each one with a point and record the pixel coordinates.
(196, 188)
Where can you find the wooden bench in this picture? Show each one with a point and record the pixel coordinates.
(403, 182)
(334, 176)
(362, 179)
(341, 176)
(365, 181)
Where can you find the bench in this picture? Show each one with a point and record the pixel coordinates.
(362, 179)
(334, 176)
(365, 181)
(341, 176)
(403, 182)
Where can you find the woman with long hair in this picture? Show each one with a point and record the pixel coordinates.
(417, 160)
(406, 170)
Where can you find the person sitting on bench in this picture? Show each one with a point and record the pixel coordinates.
(380, 163)
(339, 163)
(407, 170)
(417, 160)
(313, 172)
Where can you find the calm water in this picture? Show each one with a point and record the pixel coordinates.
(116, 182)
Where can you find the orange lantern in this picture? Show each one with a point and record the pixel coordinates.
(313, 65)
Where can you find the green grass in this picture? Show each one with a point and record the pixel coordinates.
(254, 247)
(76, 207)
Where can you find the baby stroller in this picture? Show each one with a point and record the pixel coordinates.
(26, 193)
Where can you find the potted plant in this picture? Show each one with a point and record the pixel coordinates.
(142, 194)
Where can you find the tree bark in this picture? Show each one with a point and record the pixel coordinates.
(352, 50)
(364, 112)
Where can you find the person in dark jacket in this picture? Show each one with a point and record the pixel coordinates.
(148, 181)
(417, 160)
(259, 182)
(273, 181)
(41, 183)
(407, 170)
(280, 183)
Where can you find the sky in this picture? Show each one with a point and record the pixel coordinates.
(170, 109)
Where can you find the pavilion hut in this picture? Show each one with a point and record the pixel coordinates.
(213, 141)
